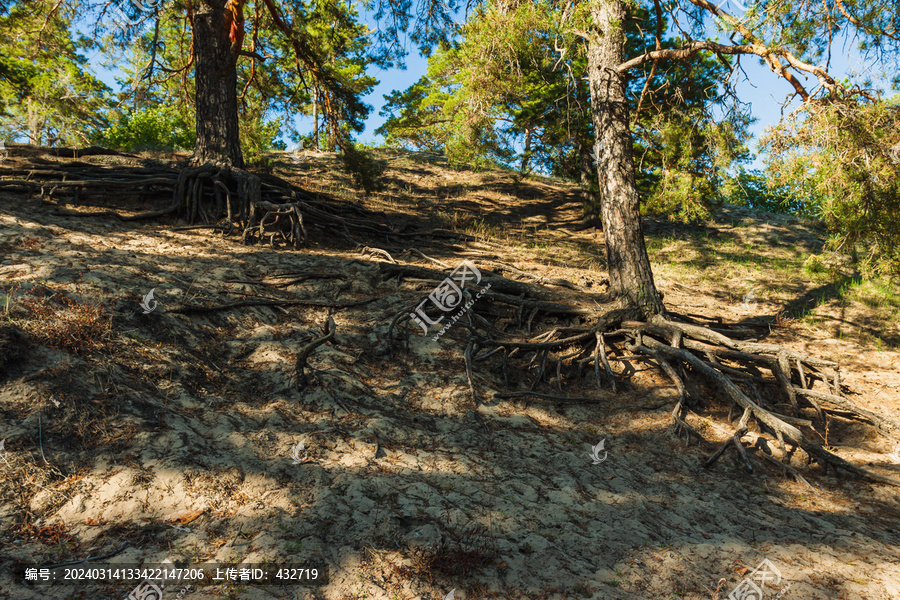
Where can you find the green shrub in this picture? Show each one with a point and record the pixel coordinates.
(258, 138)
(160, 128)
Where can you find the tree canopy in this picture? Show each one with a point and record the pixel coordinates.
(47, 93)
(528, 84)
(513, 89)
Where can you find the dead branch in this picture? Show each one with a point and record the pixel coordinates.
(501, 288)
(884, 424)
(295, 278)
(785, 429)
(282, 303)
(304, 353)
(26, 150)
(529, 393)
(536, 278)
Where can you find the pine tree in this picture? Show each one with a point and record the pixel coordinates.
(46, 94)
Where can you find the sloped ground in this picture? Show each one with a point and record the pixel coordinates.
(171, 434)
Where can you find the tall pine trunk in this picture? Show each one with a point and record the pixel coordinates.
(526, 152)
(315, 135)
(630, 276)
(218, 136)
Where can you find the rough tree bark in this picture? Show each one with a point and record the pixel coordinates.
(526, 152)
(315, 115)
(630, 276)
(218, 137)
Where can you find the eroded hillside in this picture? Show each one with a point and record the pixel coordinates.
(173, 432)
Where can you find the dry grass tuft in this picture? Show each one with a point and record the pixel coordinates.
(63, 323)
(463, 550)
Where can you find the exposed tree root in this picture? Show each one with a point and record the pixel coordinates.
(787, 395)
(772, 386)
(303, 355)
(261, 302)
(35, 151)
(258, 207)
(554, 397)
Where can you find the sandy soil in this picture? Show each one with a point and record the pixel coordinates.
(172, 434)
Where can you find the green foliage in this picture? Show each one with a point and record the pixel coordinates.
(363, 168)
(482, 95)
(685, 155)
(513, 90)
(758, 190)
(258, 135)
(323, 62)
(161, 128)
(846, 152)
(46, 94)
(412, 123)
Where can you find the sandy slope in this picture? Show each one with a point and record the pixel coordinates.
(410, 488)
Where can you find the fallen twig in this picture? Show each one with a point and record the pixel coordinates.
(115, 552)
(573, 399)
(304, 353)
(242, 303)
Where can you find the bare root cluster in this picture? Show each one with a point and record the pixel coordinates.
(258, 207)
(207, 196)
(790, 396)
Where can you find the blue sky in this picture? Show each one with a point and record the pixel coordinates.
(764, 91)
(760, 88)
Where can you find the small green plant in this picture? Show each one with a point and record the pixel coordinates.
(814, 264)
(150, 129)
(365, 170)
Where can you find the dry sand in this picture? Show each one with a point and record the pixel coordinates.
(174, 435)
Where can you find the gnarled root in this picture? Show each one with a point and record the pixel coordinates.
(764, 381)
(303, 355)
